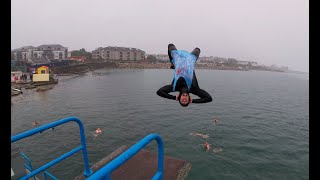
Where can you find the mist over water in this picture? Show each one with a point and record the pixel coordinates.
(263, 130)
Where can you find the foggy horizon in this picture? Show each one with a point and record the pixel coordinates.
(267, 32)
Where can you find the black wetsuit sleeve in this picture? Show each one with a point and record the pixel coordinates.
(164, 92)
(204, 96)
(195, 89)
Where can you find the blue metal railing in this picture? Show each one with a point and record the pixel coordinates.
(30, 168)
(28, 160)
(104, 172)
(82, 147)
(47, 174)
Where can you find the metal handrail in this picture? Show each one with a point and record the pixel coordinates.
(104, 172)
(30, 168)
(82, 147)
(28, 160)
(46, 174)
(25, 165)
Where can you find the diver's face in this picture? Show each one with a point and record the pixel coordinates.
(184, 99)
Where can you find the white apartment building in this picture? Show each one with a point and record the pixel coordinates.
(118, 53)
(51, 51)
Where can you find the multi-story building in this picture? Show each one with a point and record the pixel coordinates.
(250, 63)
(23, 53)
(162, 57)
(51, 51)
(118, 53)
(212, 59)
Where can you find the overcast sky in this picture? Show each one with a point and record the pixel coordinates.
(266, 31)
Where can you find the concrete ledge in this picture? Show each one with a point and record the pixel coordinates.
(143, 166)
(104, 161)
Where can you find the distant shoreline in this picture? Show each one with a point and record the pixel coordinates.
(91, 66)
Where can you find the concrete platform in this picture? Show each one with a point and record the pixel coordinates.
(143, 166)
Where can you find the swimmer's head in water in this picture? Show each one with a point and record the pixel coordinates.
(184, 97)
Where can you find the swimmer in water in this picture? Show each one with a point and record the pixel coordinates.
(35, 123)
(200, 135)
(215, 120)
(98, 131)
(207, 146)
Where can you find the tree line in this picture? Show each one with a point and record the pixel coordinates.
(81, 52)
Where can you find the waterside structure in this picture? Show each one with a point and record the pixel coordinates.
(134, 163)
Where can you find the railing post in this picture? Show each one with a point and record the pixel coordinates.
(105, 171)
(31, 132)
(87, 171)
(160, 157)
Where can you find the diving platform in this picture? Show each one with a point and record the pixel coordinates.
(134, 163)
(143, 166)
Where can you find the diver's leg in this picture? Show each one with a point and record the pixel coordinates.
(171, 47)
(196, 52)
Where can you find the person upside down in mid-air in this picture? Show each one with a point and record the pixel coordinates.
(184, 80)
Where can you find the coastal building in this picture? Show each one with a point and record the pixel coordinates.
(43, 70)
(212, 59)
(41, 74)
(23, 53)
(50, 51)
(247, 63)
(162, 57)
(118, 53)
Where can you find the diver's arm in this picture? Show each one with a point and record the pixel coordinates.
(164, 92)
(204, 96)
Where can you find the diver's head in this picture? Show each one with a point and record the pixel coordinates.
(184, 98)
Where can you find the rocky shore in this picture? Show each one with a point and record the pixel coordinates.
(83, 68)
(90, 66)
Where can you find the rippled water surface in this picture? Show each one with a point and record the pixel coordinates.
(263, 130)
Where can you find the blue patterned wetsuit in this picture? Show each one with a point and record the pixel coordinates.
(184, 66)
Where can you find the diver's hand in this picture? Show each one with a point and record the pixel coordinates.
(190, 101)
(177, 97)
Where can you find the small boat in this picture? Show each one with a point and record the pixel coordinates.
(15, 91)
